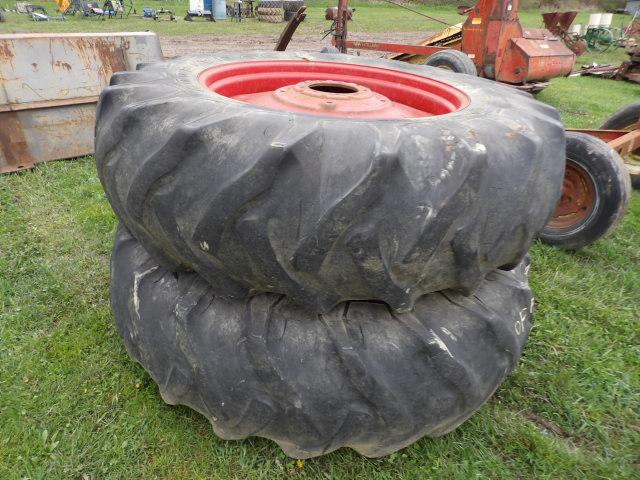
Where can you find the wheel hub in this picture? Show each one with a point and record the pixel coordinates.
(578, 198)
(330, 96)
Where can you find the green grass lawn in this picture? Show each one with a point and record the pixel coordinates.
(74, 406)
(369, 17)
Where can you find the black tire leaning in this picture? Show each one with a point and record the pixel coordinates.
(625, 119)
(292, 5)
(612, 188)
(453, 60)
(359, 376)
(425, 205)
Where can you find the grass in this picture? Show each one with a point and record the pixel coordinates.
(369, 17)
(73, 405)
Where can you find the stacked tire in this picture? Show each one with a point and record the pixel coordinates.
(270, 11)
(330, 282)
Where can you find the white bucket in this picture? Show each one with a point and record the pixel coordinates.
(594, 19)
(606, 19)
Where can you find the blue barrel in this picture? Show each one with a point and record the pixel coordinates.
(220, 9)
(208, 5)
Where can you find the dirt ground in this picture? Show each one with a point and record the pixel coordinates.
(189, 44)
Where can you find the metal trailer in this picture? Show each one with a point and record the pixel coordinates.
(49, 87)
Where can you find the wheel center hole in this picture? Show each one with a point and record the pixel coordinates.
(333, 88)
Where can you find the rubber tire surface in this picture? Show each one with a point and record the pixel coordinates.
(270, 15)
(421, 205)
(288, 15)
(270, 11)
(330, 49)
(622, 120)
(612, 186)
(292, 5)
(271, 4)
(359, 376)
(454, 60)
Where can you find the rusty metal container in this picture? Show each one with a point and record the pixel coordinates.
(537, 56)
(49, 86)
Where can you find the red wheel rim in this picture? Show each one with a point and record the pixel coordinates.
(578, 199)
(334, 89)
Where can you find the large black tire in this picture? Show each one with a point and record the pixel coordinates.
(609, 180)
(453, 60)
(626, 119)
(359, 376)
(326, 211)
(292, 5)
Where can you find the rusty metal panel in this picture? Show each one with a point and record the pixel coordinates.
(49, 86)
(529, 60)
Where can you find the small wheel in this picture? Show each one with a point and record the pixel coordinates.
(627, 118)
(595, 194)
(600, 40)
(454, 60)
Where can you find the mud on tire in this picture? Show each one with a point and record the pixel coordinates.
(359, 376)
(422, 204)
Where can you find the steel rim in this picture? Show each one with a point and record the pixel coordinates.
(334, 89)
(579, 199)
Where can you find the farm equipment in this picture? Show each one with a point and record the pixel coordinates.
(559, 23)
(597, 184)
(492, 40)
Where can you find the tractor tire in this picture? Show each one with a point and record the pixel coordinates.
(596, 194)
(267, 12)
(453, 60)
(627, 118)
(359, 376)
(420, 204)
(292, 5)
(289, 15)
(271, 4)
(270, 15)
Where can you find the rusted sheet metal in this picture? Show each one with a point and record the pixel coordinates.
(49, 86)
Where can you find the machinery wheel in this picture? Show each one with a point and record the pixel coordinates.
(595, 194)
(454, 60)
(292, 5)
(289, 15)
(345, 194)
(599, 40)
(627, 118)
(359, 376)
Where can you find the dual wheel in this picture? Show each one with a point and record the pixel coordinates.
(355, 274)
